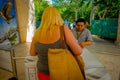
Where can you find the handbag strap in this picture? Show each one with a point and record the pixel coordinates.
(62, 37)
(63, 43)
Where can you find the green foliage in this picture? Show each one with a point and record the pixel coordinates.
(39, 8)
(12, 39)
(85, 11)
(106, 9)
(67, 8)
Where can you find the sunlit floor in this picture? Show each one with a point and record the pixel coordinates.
(106, 52)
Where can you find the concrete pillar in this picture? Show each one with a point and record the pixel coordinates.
(22, 8)
(31, 21)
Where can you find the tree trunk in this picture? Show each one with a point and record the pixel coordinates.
(118, 32)
(104, 13)
(76, 14)
(92, 13)
(82, 12)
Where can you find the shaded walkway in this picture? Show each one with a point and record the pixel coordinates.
(104, 46)
(108, 54)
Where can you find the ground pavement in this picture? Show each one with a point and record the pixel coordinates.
(108, 54)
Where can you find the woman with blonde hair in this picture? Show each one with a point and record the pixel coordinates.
(48, 36)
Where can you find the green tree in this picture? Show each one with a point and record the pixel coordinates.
(106, 9)
(68, 8)
(40, 5)
(85, 10)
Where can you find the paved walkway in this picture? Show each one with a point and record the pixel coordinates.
(108, 54)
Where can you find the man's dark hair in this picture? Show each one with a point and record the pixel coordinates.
(80, 20)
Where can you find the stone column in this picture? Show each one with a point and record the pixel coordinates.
(31, 21)
(22, 8)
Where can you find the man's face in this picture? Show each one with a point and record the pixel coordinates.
(80, 26)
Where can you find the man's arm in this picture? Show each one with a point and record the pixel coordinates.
(86, 43)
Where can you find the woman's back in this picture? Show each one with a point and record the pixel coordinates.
(48, 39)
(48, 36)
(41, 50)
(42, 45)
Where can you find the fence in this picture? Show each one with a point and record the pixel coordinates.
(105, 28)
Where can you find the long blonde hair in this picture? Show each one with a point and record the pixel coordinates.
(50, 18)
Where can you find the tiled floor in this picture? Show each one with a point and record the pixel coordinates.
(106, 52)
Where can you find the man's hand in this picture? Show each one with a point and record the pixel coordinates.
(82, 44)
(87, 43)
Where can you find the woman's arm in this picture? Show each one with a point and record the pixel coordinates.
(72, 42)
(32, 48)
